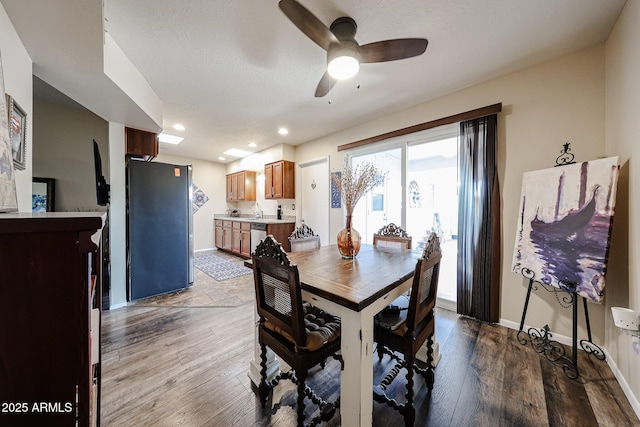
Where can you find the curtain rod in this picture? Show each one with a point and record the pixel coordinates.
(468, 115)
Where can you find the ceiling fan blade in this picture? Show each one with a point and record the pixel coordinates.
(325, 85)
(308, 23)
(392, 50)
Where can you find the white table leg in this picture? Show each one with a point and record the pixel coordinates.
(356, 381)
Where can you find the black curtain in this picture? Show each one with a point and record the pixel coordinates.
(479, 252)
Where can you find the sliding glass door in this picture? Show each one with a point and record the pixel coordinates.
(382, 205)
(420, 194)
(432, 192)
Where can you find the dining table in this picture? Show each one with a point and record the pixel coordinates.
(356, 290)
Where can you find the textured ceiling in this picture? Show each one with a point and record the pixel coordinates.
(233, 72)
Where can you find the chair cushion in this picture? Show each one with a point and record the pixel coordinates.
(394, 317)
(322, 327)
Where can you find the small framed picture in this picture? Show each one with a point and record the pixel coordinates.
(43, 197)
(17, 133)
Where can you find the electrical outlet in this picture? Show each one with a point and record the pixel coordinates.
(636, 344)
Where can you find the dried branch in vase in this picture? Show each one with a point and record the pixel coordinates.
(356, 181)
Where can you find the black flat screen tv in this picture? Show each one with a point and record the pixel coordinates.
(102, 188)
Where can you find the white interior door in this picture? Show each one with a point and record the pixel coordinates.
(314, 197)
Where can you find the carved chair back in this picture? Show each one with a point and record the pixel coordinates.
(278, 292)
(392, 236)
(425, 285)
(303, 238)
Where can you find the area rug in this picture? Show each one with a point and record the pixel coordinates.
(219, 268)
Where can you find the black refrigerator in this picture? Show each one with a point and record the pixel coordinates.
(159, 228)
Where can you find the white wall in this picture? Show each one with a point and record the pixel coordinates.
(117, 216)
(62, 136)
(210, 177)
(543, 107)
(17, 69)
(623, 139)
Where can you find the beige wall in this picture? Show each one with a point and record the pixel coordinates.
(17, 70)
(623, 139)
(543, 107)
(63, 149)
(210, 178)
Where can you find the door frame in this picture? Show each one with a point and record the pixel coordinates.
(324, 240)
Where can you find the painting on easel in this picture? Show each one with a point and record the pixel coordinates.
(564, 225)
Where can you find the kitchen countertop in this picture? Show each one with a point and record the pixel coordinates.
(258, 220)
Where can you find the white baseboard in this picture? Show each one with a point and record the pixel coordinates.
(446, 304)
(633, 400)
(195, 251)
(114, 306)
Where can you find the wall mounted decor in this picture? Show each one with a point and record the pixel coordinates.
(564, 225)
(8, 194)
(43, 194)
(336, 196)
(199, 198)
(17, 132)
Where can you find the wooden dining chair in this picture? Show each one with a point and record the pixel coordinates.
(403, 329)
(300, 334)
(304, 238)
(392, 236)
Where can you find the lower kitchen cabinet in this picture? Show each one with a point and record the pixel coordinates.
(241, 238)
(235, 236)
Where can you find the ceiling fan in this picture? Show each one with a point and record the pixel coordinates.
(344, 54)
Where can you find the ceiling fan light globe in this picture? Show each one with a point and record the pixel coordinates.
(343, 67)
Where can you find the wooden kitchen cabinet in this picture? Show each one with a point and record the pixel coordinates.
(279, 180)
(241, 238)
(141, 143)
(241, 186)
(227, 237)
(281, 233)
(245, 240)
(235, 236)
(218, 233)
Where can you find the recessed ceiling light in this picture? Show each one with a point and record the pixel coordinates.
(237, 153)
(252, 144)
(222, 158)
(170, 139)
(283, 131)
(178, 126)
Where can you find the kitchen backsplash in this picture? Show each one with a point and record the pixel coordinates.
(269, 209)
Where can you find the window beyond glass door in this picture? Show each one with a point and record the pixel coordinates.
(383, 204)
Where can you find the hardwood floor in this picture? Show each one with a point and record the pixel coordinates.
(170, 364)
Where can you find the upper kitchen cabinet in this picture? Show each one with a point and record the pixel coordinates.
(279, 182)
(241, 186)
(141, 143)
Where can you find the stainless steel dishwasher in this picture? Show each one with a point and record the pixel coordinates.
(258, 233)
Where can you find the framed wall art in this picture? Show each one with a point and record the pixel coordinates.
(336, 196)
(564, 225)
(8, 193)
(43, 194)
(17, 132)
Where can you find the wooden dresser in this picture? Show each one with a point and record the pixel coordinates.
(50, 302)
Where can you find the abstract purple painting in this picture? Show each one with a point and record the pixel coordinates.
(564, 225)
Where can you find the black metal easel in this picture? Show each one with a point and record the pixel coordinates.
(540, 339)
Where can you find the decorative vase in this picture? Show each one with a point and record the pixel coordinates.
(348, 241)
